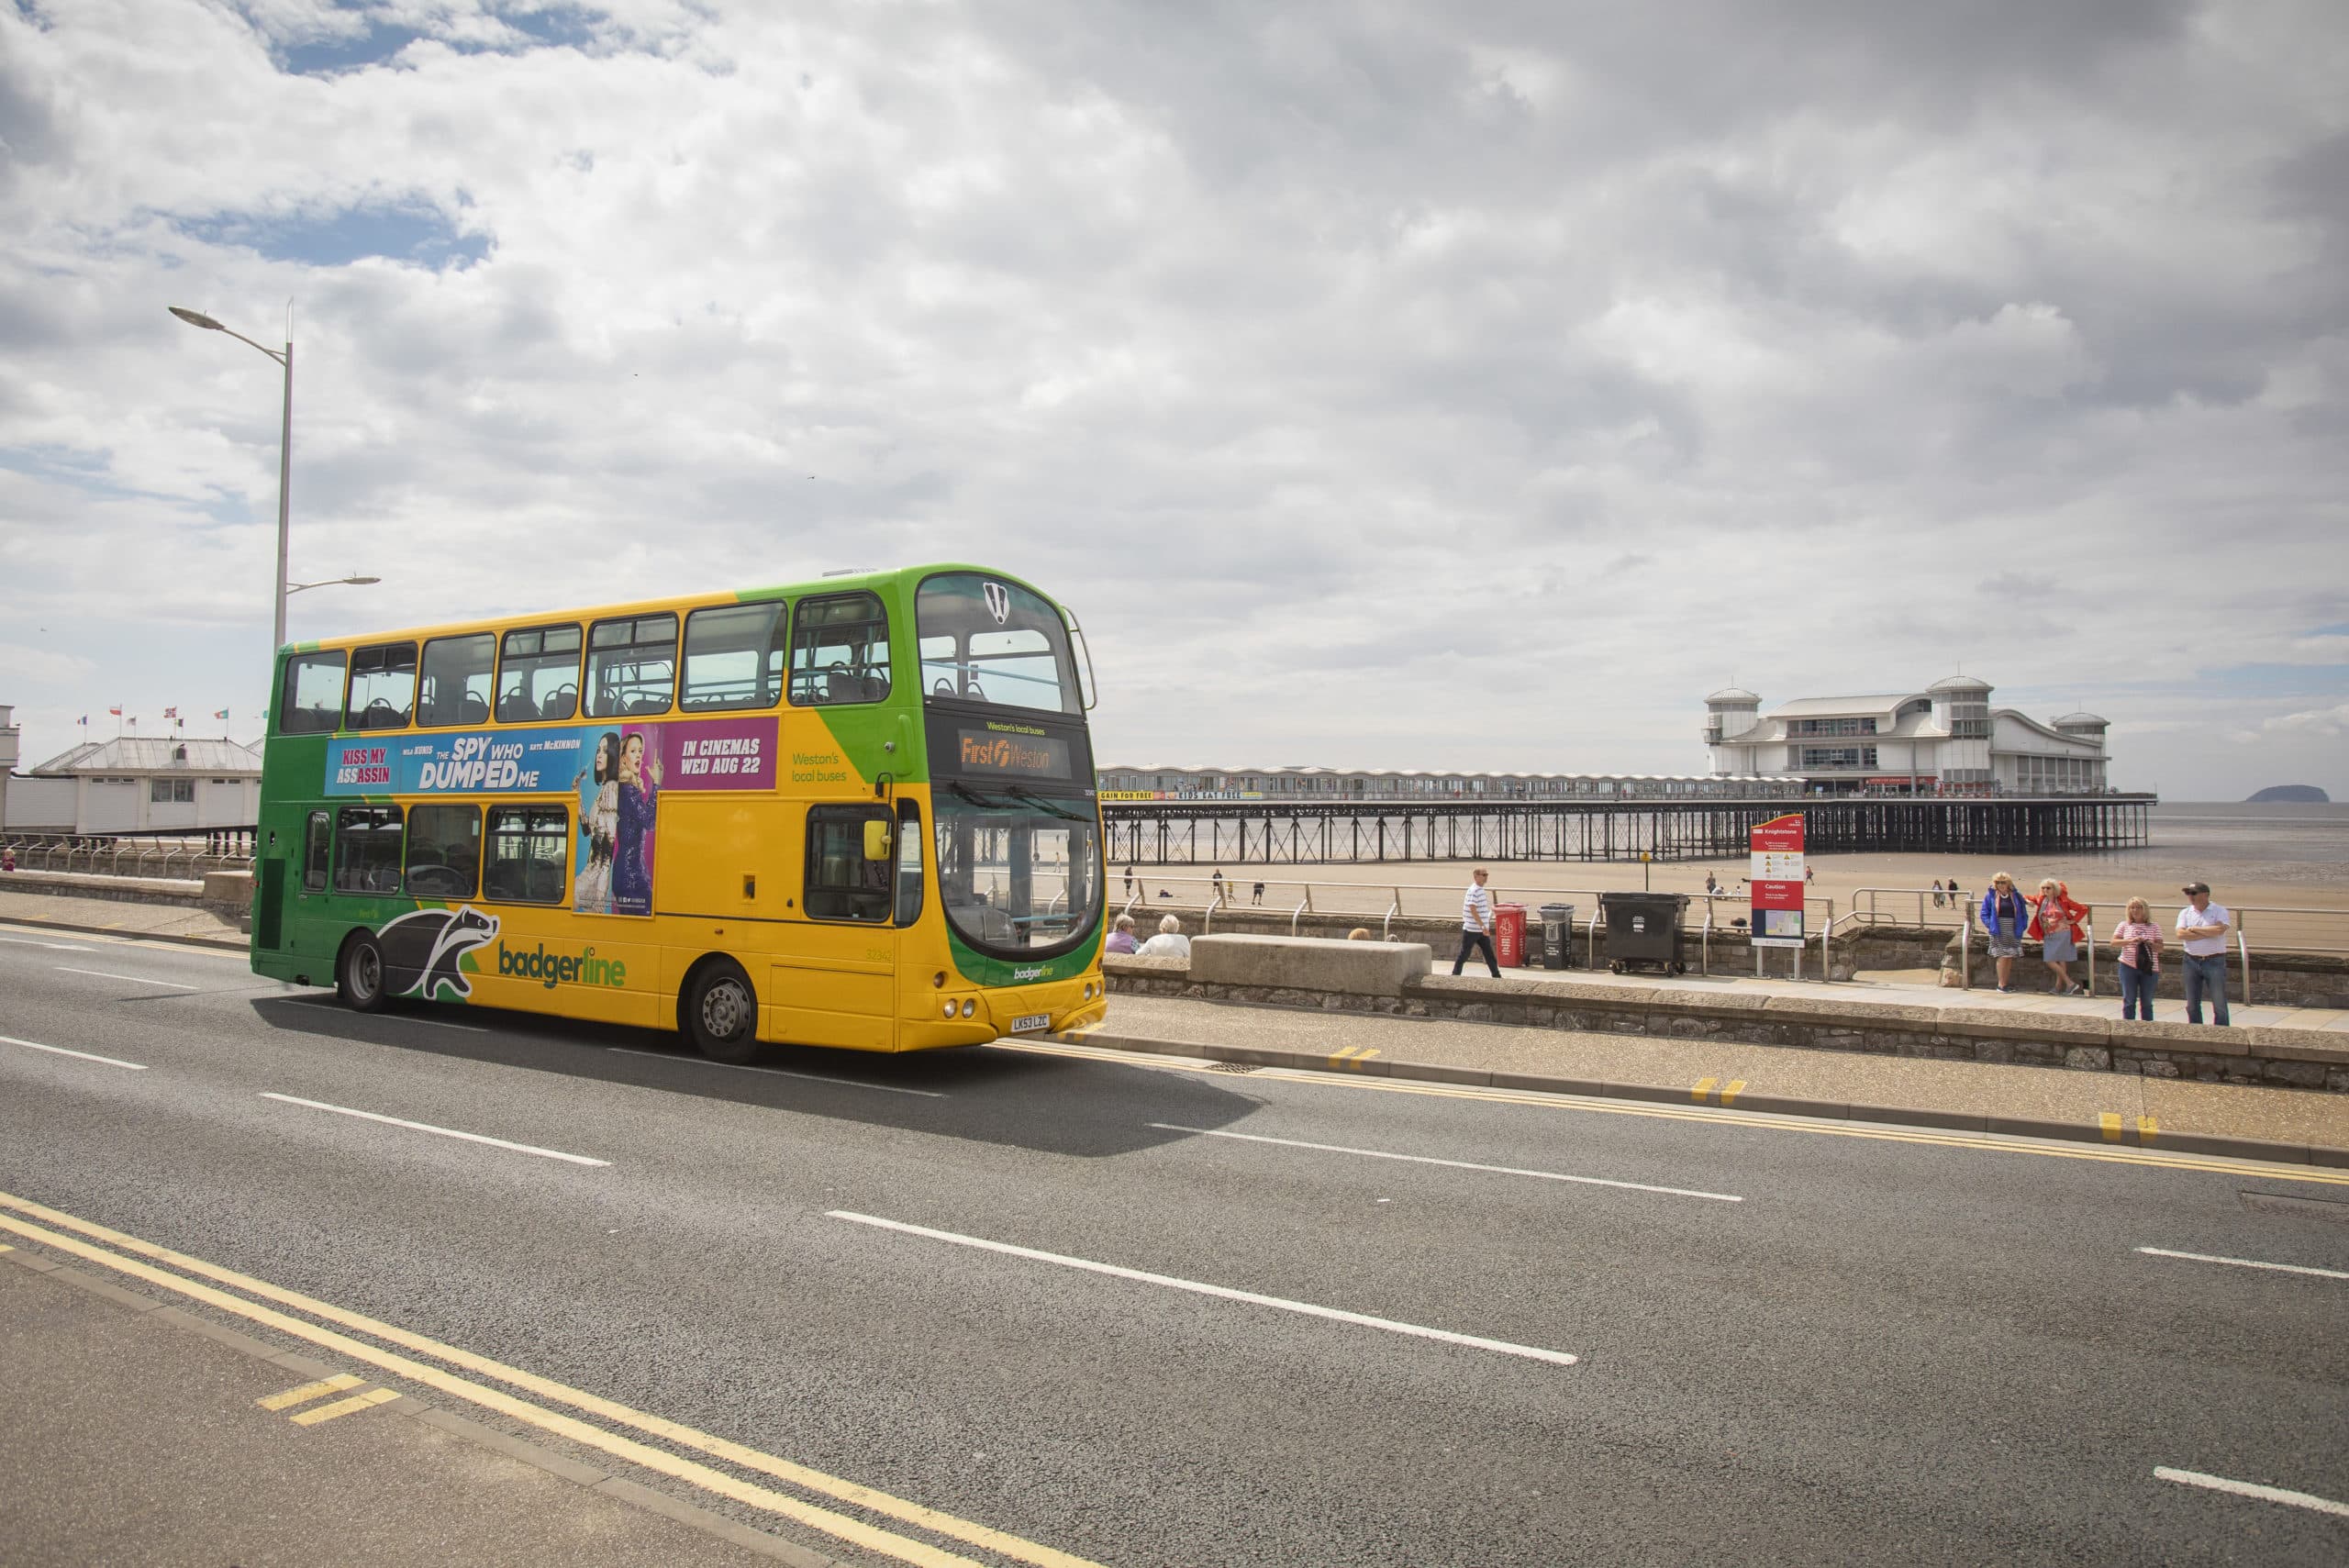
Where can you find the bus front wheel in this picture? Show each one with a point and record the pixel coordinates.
(722, 1013)
(358, 975)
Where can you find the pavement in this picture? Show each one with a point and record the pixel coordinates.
(123, 917)
(138, 1434)
(2284, 1123)
(1048, 1304)
(1923, 991)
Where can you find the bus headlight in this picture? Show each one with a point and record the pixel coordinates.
(970, 1006)
(949, 1009)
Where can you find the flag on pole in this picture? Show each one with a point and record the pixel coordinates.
(83, 721)
(171, 713)
(222, 714)
(115, 711)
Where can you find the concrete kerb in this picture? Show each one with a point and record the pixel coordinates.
(1923, 1117)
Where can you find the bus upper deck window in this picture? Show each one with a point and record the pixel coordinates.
(733, 657)
(383, 686)
(455, 685)
(311, 700)
(631, 665)
(839, 651)
(538, 674)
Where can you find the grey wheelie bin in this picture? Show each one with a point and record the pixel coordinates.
(1557, 936)
(1643, 929)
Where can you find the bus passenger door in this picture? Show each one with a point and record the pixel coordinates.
(838, 985)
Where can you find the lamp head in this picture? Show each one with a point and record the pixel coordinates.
(196, 318)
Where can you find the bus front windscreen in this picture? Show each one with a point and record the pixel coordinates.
(987, 641)
(1019, 874)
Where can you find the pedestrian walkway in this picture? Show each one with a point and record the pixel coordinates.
(122, 917)
(2077, 1101)
(1913, 994)
(141, 1433)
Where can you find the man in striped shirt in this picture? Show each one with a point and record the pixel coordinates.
(1477, 925)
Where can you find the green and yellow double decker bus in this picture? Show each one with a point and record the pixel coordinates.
(858, 812)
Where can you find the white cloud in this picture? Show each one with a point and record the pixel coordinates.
(1325, 359)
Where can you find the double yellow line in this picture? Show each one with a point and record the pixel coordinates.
(80, 1239)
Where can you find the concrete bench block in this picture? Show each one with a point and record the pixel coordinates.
(231, 887)
(1318, 963)
(1127, 963)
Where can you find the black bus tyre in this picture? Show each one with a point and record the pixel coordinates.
(358, 975)
(722, 1013)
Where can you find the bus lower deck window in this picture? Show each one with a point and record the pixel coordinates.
(367, 850)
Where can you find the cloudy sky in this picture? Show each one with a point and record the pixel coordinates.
(1463, 386)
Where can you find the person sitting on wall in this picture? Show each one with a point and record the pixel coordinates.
(1122, 936)
(1170, 942)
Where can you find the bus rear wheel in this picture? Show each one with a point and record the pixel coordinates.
(722, 1013)
(358, 975)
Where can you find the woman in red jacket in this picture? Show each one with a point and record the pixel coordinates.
(2055, 924)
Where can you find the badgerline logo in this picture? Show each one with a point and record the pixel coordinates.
(552, 969)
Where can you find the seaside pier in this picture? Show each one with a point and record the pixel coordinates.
(1266, 832)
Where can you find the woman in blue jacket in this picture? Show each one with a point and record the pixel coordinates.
(2005, 918)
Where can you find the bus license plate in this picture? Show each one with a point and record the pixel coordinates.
(1028, 1023)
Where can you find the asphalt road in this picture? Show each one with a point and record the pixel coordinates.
(1889, 1347)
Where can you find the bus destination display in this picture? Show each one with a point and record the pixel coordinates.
(999, 751)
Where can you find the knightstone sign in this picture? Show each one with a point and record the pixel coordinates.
(1775, 876)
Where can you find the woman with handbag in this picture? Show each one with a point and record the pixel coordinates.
(2139, 941)
(2055, 925)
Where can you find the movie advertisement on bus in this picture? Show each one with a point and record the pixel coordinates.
(615, 771)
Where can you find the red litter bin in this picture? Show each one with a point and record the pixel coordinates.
(1508, 934)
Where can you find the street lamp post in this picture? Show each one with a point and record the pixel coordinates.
(285, 448)
(330, 583)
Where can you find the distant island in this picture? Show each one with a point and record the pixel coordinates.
(2297, 794)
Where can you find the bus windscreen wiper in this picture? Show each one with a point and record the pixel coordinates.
(1040, 804)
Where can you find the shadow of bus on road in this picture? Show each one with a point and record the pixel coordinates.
(1030, 1100)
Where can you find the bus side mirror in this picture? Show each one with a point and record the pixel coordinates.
(876, 840)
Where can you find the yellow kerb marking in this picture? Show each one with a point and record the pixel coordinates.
(2110, 1121)
(841, 1526)
(343, 1406)
(310, 1391)
(2146, 1127)
(1701, 1088)
(1353, 1056)
(1736, 1087)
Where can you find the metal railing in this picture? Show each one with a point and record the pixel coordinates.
(1220, 895)
(1957, 908)
(189, 857)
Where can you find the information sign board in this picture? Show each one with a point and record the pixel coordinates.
(1776, 877)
